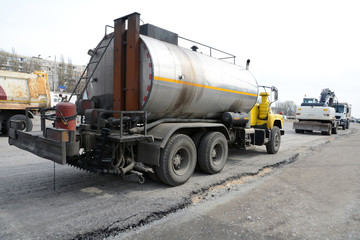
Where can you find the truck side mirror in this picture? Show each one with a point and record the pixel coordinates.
(276, 95)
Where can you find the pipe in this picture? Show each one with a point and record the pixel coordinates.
(169, 120)
(247, 64)
(128, 167)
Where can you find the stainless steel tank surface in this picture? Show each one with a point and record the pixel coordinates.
(177, 82)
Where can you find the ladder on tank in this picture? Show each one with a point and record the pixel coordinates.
(98, 47)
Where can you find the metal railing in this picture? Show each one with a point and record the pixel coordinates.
(211, 49)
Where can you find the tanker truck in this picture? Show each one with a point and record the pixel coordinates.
(19, 91)
(151, 107)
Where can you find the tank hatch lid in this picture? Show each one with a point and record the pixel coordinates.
(159, 33)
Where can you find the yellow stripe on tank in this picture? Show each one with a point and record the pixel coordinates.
(202, 86)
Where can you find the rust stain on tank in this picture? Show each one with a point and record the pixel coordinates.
(187, 92)
(235, 106)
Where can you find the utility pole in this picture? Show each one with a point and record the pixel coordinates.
(54, 75)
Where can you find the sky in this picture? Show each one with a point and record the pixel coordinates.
(300, 47)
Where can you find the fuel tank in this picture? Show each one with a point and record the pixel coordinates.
(180, 83)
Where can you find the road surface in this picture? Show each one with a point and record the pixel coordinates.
(85, 205)
(316, 197)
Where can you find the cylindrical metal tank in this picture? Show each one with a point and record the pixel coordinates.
(177, 82)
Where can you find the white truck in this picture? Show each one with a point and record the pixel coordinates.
(343, 114)
(314, 115)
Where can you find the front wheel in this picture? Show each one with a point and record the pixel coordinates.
(274, 145)
(213, 152)
(177, 160)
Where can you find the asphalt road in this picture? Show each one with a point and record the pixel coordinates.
(316, 197)
(85, 205)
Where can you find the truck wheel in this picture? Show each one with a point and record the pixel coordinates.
(153, 176)
(334, 129)
(328, 132)
(343, 127)
(196, 137)
(347, 125)
(177, 160)
(274, 145)
(22, 118)
(213, 152)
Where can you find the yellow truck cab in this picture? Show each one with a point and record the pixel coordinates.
(262, 117)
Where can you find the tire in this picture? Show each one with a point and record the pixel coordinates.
(334, 130)
(343, 127)
(328, 133)
(299, 131)
(153, 177)
(213, 152)
(20, 117)
(177, 160)
(347, 125)
(274, 145)
(196, 137)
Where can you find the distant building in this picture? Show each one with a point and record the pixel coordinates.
(29, 64)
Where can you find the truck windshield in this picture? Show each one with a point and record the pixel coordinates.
(310, 100)
(339, 109)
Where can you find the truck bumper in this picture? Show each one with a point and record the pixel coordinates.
(34, 142)
(312, 126)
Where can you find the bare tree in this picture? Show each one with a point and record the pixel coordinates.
(287, 108)
(70, 82)
(4, 58)
(28, 66)
(61, 71)
(14, 61)
(35, 64)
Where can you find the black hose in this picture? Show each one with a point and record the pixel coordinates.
(53, 117)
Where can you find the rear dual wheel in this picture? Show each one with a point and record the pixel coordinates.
(212, 153)
(178, 157)
(177, 160)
